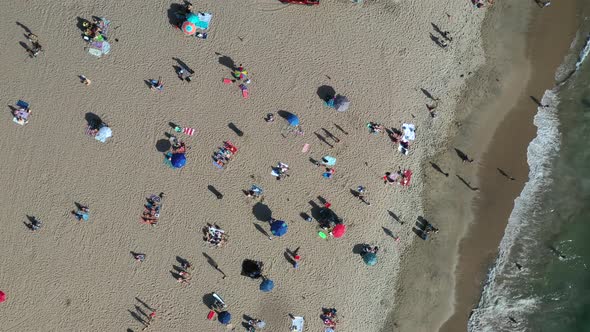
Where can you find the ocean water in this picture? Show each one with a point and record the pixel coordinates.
(540, 280)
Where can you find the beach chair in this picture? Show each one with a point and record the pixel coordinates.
(22, 104)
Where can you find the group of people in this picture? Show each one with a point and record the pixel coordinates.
(399, 176)
(330, 318)
(22, 113)
(280, 171)
(151, 213)
(214, 235)
(36, 47)
(224, 154)
(94, 29)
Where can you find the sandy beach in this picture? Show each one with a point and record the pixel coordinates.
(521, 59)
(81, 276)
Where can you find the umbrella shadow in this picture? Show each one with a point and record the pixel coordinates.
(226, 61)
(261, 211)
(80, 22)
(94, 121)
(358, 248)
(315, 210)
(209, 300)
(176, 14)
(325, 92)
(163, 145)
(284, 114)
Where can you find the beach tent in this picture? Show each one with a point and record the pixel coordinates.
(409, 131)
(293, 120)
(2, 296)
(252, 269)
(370, 258)
(297, 324)
(267, 285)
(178, 160)
(99, 48)
(339, 231)
(224, 317)
(188, 28)
(278, 228)
(103, 133)
(200, 20)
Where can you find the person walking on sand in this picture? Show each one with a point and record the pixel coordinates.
(82, 213)
(85, 80)
(360, 194)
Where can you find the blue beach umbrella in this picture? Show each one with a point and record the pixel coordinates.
(293, 120)
(224, 317)
(278, 228)
(267, 285)
(370, 258)
(178, 160)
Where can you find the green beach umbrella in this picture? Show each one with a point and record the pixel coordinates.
(370, 258)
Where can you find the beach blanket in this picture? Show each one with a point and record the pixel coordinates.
(188, 131)
(409, 131)
(297, 324)
(201, 20)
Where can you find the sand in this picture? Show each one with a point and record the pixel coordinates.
(81, 276)
(548, 42)
(496, 127)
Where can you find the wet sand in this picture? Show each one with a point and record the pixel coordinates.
(550, 35)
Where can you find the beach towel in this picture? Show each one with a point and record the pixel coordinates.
(328, 160)
(21, 122)
(305, 148)
(227, 81)
(245, 92)
(409, 131)
(188, 131)
(297, 324)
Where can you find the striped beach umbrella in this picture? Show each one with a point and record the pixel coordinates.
(189, 28)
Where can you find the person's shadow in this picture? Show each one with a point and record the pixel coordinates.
(325, 92)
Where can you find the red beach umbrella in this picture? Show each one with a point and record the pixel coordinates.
(2, 296)
(339, 230)
(188, 28)
(406, 177)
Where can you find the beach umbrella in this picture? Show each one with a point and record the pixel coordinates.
(224, 317)
(178, 160)
(406, 177)
(267, 285)
(188, 28)
(103, 133)
(341, 103)
(2, 296)
(278, 228)
(293, 120)
(339, 230)
(370, 258)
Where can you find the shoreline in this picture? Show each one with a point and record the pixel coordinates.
(503, 79)
(548, 42)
